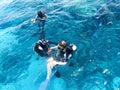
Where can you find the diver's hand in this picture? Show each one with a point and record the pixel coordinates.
(49, 50)
(33, 20)
(69, 56)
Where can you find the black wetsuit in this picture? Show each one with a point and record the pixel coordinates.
(69, 51)
(44, 45)
(41, 23)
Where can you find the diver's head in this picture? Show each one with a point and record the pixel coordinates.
(40, 14)
(62, 43)
(44, 42)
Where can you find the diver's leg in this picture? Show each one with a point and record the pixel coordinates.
(49, 71)
(42, 25)
(42, 35)
(39, 25)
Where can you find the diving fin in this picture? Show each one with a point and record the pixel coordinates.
(57, 74)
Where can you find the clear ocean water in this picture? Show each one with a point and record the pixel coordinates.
(93, 25)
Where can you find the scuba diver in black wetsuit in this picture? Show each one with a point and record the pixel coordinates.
(40, 18)
(42, 48)
(64, 51)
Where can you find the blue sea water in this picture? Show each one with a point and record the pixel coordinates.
(93, 25)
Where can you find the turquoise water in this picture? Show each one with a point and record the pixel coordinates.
(93, 25)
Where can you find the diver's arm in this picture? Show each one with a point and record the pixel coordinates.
(69, 56)
(61, 63)
(55, 47)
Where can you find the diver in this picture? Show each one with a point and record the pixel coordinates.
(64, 51)
(42, 48)
(103, 16)
(40, 18)
(60, 50)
